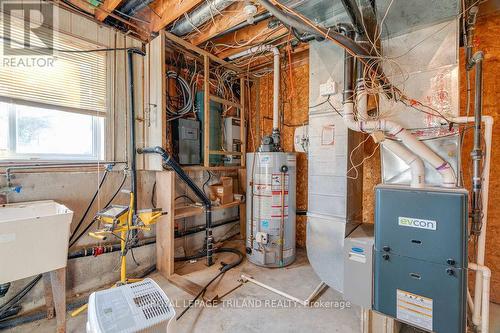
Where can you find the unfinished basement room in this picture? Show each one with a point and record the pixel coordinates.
(249, 166)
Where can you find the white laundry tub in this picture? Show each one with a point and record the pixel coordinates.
(33, 238)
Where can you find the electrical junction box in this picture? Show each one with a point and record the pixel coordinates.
(301, 139)
(232, 139)
(358, 266)
(420, 272)
(186, 139)
(328, 88)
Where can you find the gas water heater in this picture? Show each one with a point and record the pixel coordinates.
(271, 208)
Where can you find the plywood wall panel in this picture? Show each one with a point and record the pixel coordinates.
(487, 40)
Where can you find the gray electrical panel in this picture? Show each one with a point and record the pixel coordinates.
(358, 266)
(187, 145)
(420, 272)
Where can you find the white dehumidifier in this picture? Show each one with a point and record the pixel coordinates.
(136, 307)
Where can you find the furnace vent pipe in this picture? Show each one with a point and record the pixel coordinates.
(415, 163)
(393, 128)
(276, 76)
(485, 294)
(387, 126)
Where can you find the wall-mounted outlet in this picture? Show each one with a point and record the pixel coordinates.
(301, 139)
(328, 88)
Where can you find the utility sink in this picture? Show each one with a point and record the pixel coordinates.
(33, 238)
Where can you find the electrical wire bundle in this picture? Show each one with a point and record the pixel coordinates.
(186, 97)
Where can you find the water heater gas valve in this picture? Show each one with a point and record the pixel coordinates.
(261, 237)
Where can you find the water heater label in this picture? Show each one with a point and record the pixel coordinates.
(414, 309)
(417, 223)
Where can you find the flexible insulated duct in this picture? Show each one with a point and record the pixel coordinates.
(132, 7)
(199, 15)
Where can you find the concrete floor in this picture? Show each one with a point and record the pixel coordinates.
(242, 312)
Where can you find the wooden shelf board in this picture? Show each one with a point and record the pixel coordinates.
(187, 211)
(221, 152)
(225, 101)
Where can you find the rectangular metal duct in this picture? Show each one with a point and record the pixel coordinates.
(334, 201)
(429, 74)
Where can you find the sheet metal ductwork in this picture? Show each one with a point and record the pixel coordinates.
(199, 15)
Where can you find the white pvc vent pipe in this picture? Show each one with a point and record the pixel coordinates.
(276, 75)
(393, 128)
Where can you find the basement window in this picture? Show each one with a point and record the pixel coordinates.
(53, 107)
(37, 133)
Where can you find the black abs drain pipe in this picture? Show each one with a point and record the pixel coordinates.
(167, 160)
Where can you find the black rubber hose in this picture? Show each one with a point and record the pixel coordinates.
(109, 202)
(179, 171)
(224, 268)
(167, 160)
(90, 204)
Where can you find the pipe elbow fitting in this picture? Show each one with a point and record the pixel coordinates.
(478, 56)
(486, 272)
(448, 175)
(475, 59)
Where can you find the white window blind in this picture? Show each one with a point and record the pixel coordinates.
(75, 82)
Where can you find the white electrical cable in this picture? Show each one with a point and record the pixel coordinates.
(187, 96)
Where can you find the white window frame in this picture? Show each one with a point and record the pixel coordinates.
(98, 144)
(99, 153)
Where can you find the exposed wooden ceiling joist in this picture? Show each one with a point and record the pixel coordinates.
(107, 7)
(83, 5)
(299, 55)
(230, 17)
(252, 35)
(165, 12)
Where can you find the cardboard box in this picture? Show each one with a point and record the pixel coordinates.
(226, 181)
(223, 191)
